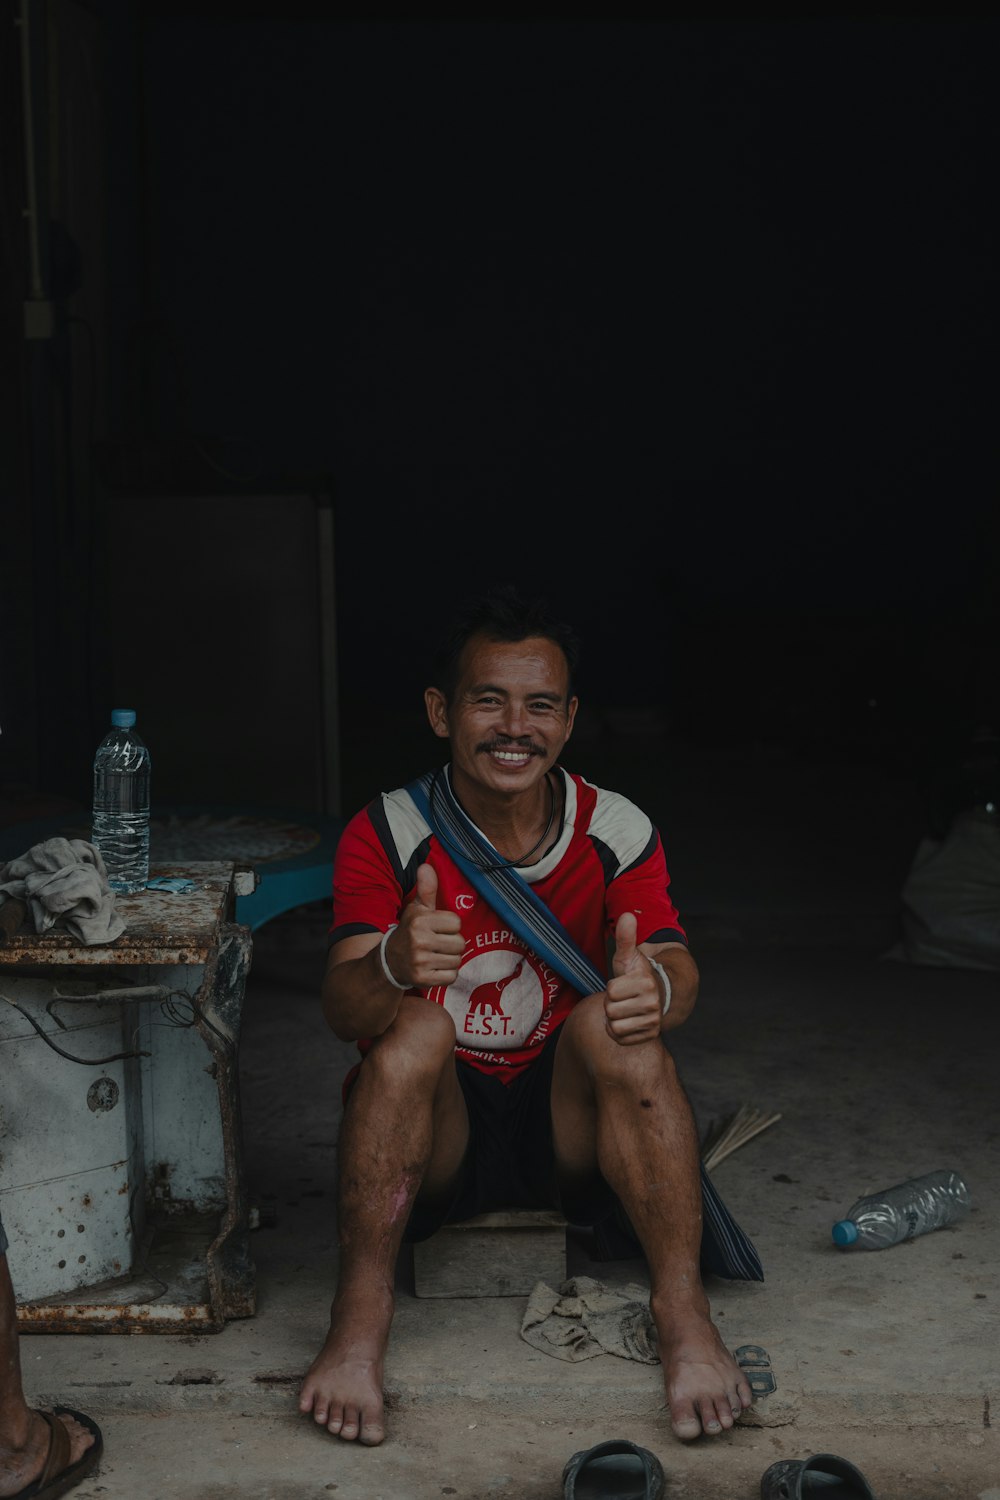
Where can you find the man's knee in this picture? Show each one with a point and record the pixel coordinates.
(604, 1058)
(584, 1025)
(418, 1044)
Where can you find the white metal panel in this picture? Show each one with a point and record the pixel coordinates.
(69, 1232)
(71, 1170)
(185, 1156)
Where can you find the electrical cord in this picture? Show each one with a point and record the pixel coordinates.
(86, 1062)
(169, 1008)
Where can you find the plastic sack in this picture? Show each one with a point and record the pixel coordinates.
(951, 897)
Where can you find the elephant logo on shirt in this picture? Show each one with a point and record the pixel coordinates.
(485, 998)
(498, 998)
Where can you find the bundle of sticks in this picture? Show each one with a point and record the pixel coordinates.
(725, 1136)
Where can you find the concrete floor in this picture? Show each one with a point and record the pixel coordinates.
(788, 883)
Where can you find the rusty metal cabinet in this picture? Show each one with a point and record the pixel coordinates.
(122, 1188)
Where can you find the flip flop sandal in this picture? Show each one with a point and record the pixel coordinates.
(755, 1363)
(823, 1476)
(57, 1477)
(616, 1470)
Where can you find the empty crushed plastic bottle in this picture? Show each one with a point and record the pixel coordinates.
(901, 1213)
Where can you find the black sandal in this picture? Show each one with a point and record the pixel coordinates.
(823, 1475)
(616, 1470)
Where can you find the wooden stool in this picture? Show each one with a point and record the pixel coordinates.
(492, 1255)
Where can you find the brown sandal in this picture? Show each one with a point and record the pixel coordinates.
(57, 1477)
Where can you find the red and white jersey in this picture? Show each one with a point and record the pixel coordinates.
(607, 860)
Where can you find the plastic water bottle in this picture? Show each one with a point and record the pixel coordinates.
(120, 827)
(902, 1212)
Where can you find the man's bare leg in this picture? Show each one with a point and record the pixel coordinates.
(24, 1436)
(404, 1132)
(622, 1110)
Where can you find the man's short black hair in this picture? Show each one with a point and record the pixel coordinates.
(501, 614)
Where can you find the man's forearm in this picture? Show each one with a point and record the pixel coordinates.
(682, 971)
(358, 999)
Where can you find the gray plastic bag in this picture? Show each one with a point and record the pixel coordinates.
(951, 897)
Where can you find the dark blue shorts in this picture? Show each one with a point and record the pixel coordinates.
(509, 1162)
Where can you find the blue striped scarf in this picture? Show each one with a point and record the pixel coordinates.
(726, 1250)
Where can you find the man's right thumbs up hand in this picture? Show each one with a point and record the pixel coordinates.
(426, 947)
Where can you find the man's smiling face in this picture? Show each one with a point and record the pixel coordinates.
(510, 714)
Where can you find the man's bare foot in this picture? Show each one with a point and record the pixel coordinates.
(706, 1389)
(22, 1460)
(343, 1388)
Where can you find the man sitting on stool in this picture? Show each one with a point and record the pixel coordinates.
(487, 1081)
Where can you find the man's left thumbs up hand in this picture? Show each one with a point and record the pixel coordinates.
(633, 1003)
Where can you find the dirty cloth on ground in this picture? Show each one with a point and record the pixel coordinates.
(585, 1318)
(64, 884)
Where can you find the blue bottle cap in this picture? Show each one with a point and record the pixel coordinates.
(845, 1232)
(123, 718)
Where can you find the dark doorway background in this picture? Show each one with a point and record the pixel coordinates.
(685, 323)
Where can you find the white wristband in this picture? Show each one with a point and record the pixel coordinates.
(664, 977)
(385, 963)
